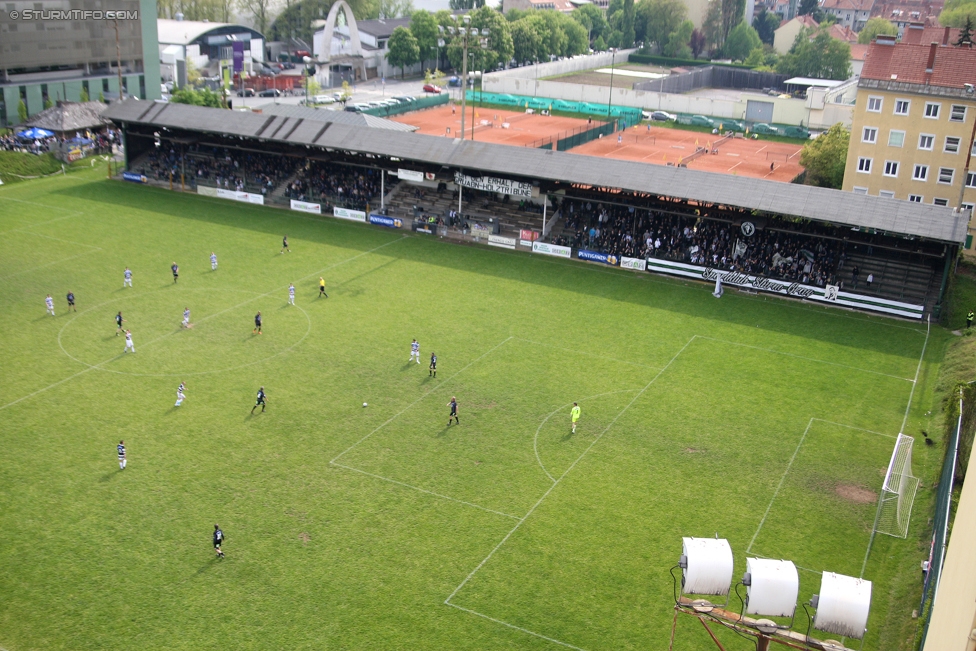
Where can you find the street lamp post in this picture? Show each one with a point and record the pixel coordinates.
(613, 58)
(466, 33)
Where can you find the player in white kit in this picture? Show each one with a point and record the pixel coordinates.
(213, 261)
(179, 394)
(50, 304)
(186, 318)
(414, 351)
(291, 294)
(127, 279)
(128, 342)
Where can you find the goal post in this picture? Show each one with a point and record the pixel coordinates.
(898, 491)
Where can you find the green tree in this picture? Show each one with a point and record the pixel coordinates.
(192, 74)
(956, 14)
(577, 40)
(678, 40)
(458, 5)
(874, 27)
(525, 40)
(742, 40)
(628, 25)
(697, 43)
(825, 157)
(404, 50)
(766, 23)
(346, 94)
(312, 86)
(83, 97)
(591, 17)
(661, 18)
(389, 9)
(966, 34)
(423, 26)
(732, 14)
(599, 44)
(808, 8)
(259, 11)
(756, 58)
(500, 48)
(296, 19)
(48, 102)
(101, 98)
(202, 97)
(820, 57)
(712, 24)
(22, 111)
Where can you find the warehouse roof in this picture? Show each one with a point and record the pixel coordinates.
(818, 204)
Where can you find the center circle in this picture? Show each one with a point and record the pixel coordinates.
(220, 338)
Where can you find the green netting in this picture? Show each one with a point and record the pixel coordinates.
(416, 105)
(629, 114)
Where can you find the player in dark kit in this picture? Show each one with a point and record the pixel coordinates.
(218, 540)
(453, 405)
(260, 401)
(71, 301)
(284, 244)
(119, 321)
(433, 366)
(257, 324)
(176, 272)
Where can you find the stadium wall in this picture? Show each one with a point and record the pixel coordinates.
(564, 67)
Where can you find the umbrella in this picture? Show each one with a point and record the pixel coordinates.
(79, 141)
(34, 133)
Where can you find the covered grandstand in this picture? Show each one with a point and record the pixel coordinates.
(806, 242)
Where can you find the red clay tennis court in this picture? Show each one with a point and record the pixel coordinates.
(776, 161)
(760, 159)
(516, 128)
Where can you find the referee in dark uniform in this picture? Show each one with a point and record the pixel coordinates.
(176, 272)
(218, 540)
(433, 365)
(453, 405)
(260, 401)
(257, 324)
(71, 301)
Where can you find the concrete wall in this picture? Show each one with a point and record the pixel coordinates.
(575, 64)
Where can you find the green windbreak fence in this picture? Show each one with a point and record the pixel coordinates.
(625, 114)
(570, 138)
(405, 107)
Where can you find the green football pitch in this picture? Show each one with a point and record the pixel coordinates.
(764, 421)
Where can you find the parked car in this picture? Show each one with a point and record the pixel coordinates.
(431, 88)
(245, 92)
(323, 99)
(271, 92)
(765, 129)
(660, 116)
(702, 121)
(404, 99)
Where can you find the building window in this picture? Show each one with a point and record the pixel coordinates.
(940, 202)
(869, 134)
(858, 190)
(946, 174)
(926, 141)
(864, 165)
(932, 110)
(951, 145)
(896, 138)
(902, 106)
(874, 104)
(886, 194)
(891, 168)
(921, 173)
(915, 198)
(971, 179)
(957, 114)
(969, 207)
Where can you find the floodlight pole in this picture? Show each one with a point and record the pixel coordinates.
(464, 81)
(613, 58)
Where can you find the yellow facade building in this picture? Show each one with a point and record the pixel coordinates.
(914, 123)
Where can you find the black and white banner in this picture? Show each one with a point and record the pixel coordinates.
(494, 184)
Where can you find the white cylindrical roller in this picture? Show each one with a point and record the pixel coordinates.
(709, 569)
(773, 587)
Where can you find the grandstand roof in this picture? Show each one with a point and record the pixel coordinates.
(819, 204)
(339, 117)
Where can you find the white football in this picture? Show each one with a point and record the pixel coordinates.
(364, 404)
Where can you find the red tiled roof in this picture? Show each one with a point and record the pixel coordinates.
(842, 33)
(926, 35)
(848, 5)
(953, 67)
(859, 52)
(916, 12)
(806, 21)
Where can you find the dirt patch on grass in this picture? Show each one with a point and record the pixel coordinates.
(856, 494)
(694, 451)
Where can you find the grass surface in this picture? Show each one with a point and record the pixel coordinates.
(15, 164)
(767, 421)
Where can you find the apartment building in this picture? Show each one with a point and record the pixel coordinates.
(914, 122)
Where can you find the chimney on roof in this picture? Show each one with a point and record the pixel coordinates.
(945, 36)
(884, 39)
(913, 33)
(933, 48)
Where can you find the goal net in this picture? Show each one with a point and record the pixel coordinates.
(898, 491)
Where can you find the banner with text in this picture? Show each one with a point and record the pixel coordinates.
(383, 220)
(552, 249)
(494, 184)
(829, 294)
(410, 175)
(352, 215)
(135, 178)
(233, 195)
(503, 242)
(596, 256)
(304, 206)
(640, 264)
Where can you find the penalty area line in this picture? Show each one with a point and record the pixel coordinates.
(517, 628)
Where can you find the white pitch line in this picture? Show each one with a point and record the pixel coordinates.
(582, 352)
(860, 429)
(782, 480)
(918, 369)
(427, 393)
(546, 494)
(96, 366)
(424, 490)
(809, 359)
(517, 628)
